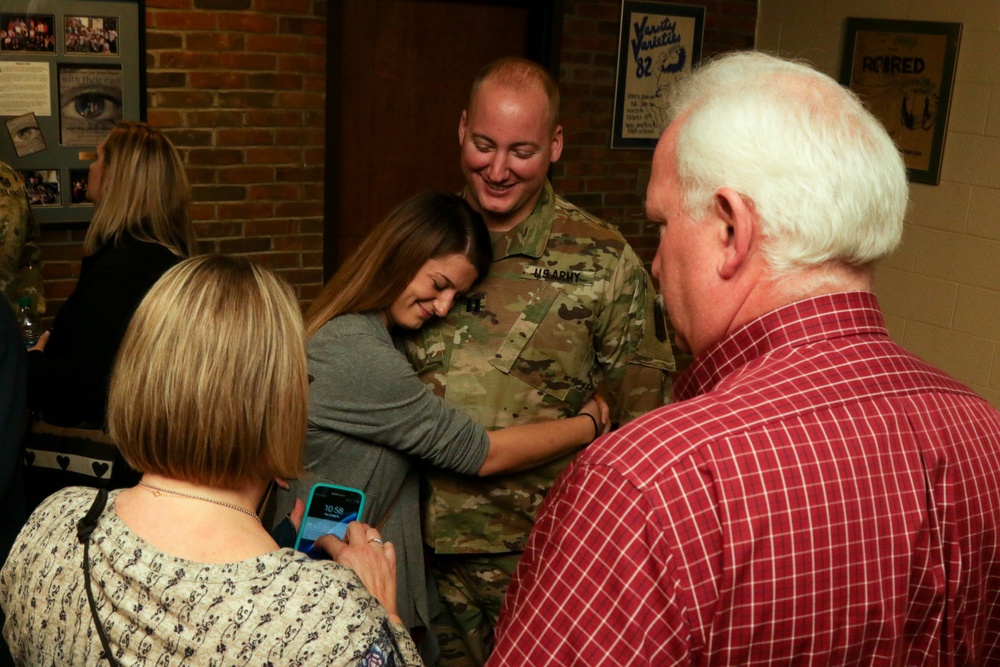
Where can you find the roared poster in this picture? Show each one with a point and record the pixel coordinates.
(658, 43)
(903, 70)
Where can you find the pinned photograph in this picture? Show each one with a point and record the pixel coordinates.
(27, 33)
(90, 102)
(26, 135)
(42, 186)
(78, 187)
(91, 35)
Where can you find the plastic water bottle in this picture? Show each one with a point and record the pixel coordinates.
(28, 321)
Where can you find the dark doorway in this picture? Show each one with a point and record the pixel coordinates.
(398, 73)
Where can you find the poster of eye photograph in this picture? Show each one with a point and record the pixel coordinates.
(90, 101)
(69, 70)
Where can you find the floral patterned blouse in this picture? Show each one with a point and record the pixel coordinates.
(277, 609)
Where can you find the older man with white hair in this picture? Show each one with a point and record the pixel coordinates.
(817, 495)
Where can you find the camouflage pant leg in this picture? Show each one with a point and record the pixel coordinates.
(471, 589)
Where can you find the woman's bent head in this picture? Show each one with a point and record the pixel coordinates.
(210, 384)
(430, 225)
(141, 189)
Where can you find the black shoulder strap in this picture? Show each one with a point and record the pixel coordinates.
(86, 525)
(84, 528)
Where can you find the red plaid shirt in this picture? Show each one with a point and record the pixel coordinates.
(819, 497)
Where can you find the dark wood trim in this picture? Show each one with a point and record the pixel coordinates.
(331, 172)
(545, 34)
(545, 43)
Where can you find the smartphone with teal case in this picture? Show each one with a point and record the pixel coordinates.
(329, 509)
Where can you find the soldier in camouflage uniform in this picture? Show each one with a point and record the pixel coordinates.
(20, 263)
(567, 310)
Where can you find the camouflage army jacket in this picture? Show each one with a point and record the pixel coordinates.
(565, 311)
(20, 263)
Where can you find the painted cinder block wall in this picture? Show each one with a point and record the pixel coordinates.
(239, 85)
(941, 290)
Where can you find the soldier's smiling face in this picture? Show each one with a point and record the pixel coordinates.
(508, 140)
(431, 291)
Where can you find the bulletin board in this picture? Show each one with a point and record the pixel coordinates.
(69, 70)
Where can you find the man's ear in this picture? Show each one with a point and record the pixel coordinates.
(557, 143)
(738, 225)
(461, 128)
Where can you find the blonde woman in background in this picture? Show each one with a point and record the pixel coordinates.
(140, 228)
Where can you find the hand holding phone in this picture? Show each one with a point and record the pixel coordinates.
(329, 510)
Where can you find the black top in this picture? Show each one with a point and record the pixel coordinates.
(12, 379)
(12, 382)
(68, 383)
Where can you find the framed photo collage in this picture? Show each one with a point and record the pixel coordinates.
(68, 71)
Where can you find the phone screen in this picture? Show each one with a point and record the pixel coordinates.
(329, 510)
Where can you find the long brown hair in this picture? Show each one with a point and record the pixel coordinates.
(430, 225)
(143, 192)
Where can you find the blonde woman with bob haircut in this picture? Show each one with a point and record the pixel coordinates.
(179, 567)
(370, 417)
(140, 228)
(190, 404)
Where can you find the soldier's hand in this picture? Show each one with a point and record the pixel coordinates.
(598, 408)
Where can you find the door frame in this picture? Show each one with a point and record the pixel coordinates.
(545, 20)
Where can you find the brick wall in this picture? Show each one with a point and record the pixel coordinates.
(239, 86)
(611, 183)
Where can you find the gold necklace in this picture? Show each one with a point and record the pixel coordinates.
(157, 491)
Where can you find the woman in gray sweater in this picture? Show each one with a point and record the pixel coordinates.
(370, 415)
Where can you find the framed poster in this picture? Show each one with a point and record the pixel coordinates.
(658, 42)
(69, 69)
(903, 71)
